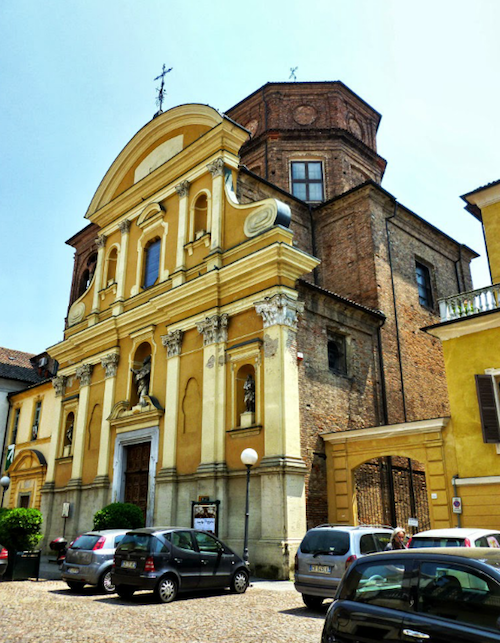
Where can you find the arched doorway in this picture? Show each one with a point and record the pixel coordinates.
(392, 490)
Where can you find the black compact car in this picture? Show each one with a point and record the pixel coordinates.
(169, 560)
(432, 595)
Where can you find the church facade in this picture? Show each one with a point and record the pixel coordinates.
(245, 281)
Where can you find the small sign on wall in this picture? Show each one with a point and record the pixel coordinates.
(456, 503)
(412, 522)
(205, 516)
(65, 510)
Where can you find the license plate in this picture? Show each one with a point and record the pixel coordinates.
(73, 570)
(129, 564)
(320, 569)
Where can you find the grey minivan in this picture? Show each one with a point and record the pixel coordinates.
(325, 553)
(89, 560)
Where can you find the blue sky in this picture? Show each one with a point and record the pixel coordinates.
(77, 82)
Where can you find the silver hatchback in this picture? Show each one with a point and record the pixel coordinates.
(89, 560)
(325, 553)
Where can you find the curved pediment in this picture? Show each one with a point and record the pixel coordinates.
(160, 140)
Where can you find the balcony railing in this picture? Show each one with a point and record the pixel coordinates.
(470, 303)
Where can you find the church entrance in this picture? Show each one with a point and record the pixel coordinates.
(390, 491)
(137, 474)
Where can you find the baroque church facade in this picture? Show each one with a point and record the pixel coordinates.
(245, 281)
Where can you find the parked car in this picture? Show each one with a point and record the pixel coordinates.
(456, 537)
(4, 560)
(325, 553)
(169, 560)
(89, 559)
(436, 595)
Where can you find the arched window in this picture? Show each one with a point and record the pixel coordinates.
(87, 274)
(111, 271)
(151, 263)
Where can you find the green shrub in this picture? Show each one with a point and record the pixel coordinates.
(119, 515)
(20, 529)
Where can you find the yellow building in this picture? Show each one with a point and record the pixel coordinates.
(470, 332)
(188, 308)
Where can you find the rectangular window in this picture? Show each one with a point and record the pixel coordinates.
(337, 361)
(36, 420)
(424, 286)
(307, 180)
(152, 263)
(488, 409)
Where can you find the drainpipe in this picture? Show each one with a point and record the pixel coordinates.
(394, 305)
(383, 389)
(454, 483)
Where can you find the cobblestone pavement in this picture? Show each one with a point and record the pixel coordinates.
(46, 611)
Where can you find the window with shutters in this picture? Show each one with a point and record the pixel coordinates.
(151, 263)
(488, 398)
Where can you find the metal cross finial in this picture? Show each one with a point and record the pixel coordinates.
(292, 73)
(161, 90)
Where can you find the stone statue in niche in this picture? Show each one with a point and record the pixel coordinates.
(69, 433)
(249, 396)
(142, 376)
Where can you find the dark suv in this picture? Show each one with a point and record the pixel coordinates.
(439, 595)
(168, 560)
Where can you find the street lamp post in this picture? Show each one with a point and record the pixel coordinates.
(5, 482)
(249, 457)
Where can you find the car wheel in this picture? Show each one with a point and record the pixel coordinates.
(75, 585)
(239, 583)
(166, 590)
(124, 591)
(312, 602)
(105, 584)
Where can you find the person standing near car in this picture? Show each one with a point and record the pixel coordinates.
(397, 540)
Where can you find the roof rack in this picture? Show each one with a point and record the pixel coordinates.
(360, 526)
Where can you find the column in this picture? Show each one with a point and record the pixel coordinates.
(101, 243)
(282, 470)
(167, 477)
(121, 270)
(84, 374)
(110, 365)
(214, 330)
(281, 401)
(182, 190)
(59, 384)
(216, 169)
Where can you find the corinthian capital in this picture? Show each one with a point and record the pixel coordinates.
(84, 373)
(124, 226)
(110, 364)
(216, 168)
(279, 309)
(172, 342)
(59, 384)
(101, 241)
(183, 188)
(214, 329)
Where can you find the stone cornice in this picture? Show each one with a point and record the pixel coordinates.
(462, 326)
(419, 427)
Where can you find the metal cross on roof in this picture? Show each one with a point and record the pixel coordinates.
(292, 73)
(161, 89)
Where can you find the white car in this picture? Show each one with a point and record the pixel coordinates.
(456, 537)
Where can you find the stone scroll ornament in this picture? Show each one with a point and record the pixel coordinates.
(272, 213)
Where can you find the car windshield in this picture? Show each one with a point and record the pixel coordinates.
(421, 541)
(86, 541)
(327, 541)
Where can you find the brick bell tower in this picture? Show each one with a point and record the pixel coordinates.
(315, 140)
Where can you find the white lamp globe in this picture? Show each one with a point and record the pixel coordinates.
(249, 457)
(5, 482)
